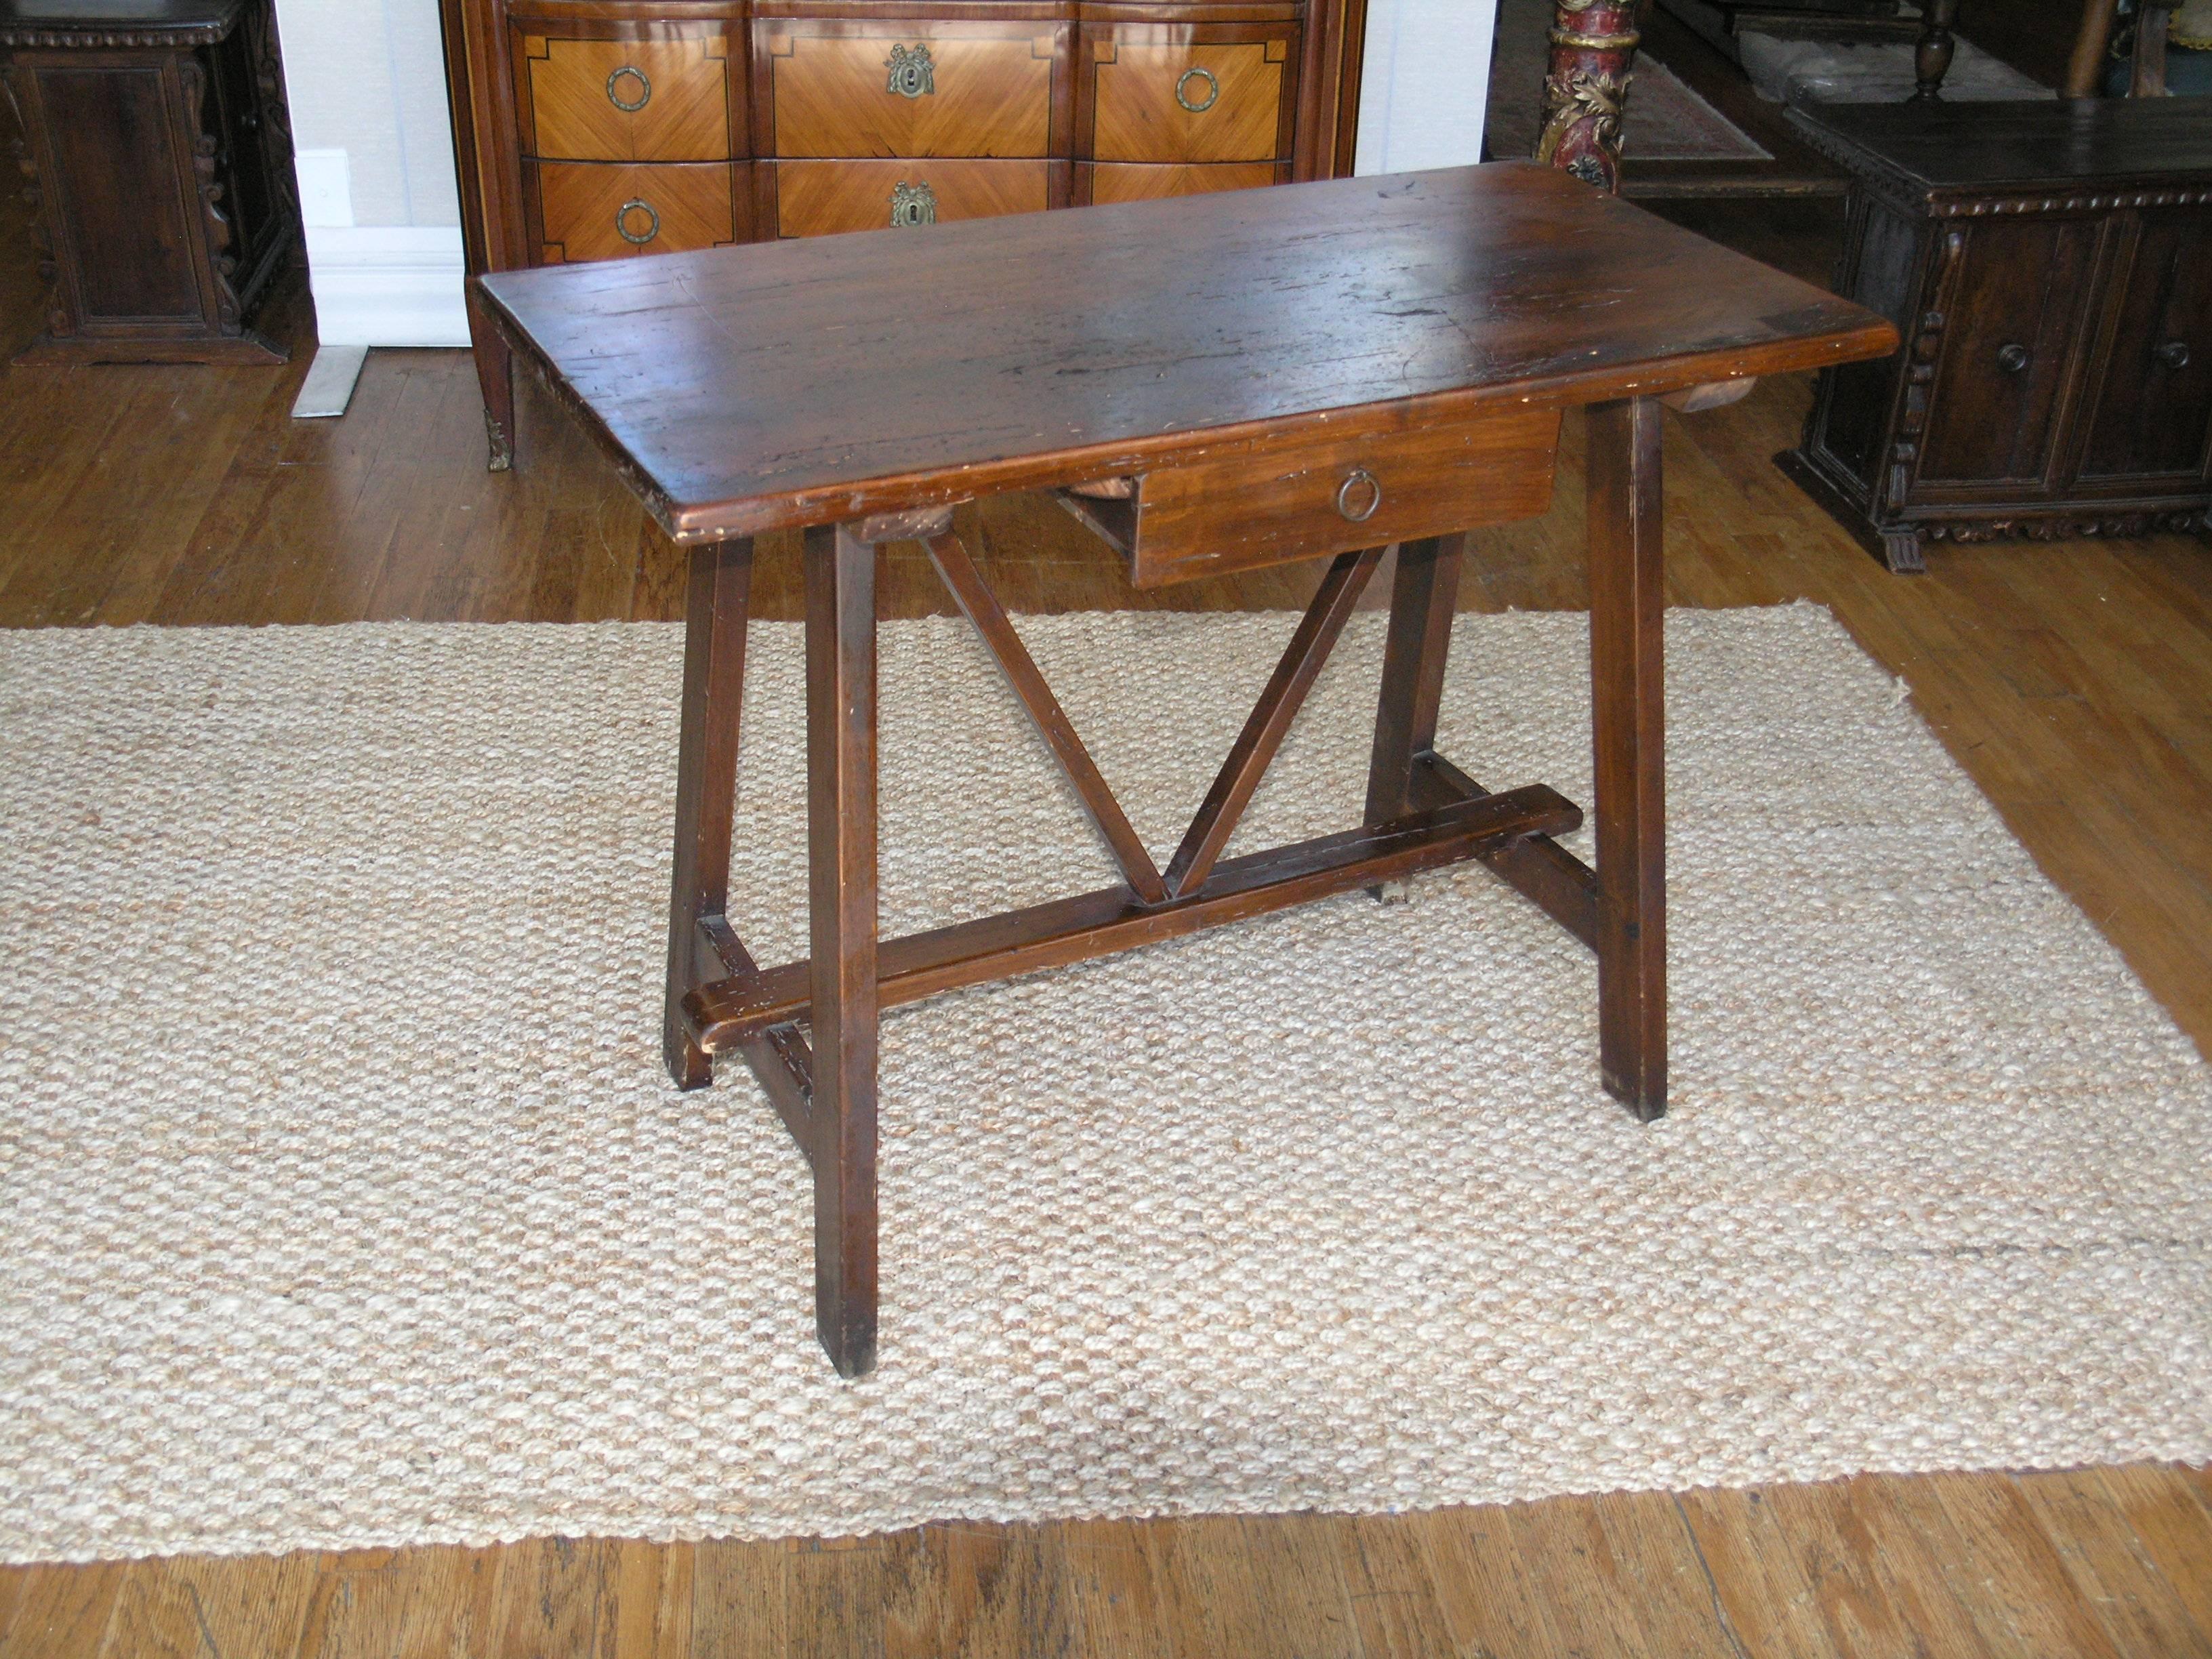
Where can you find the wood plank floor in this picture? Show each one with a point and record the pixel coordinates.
(2072, 681)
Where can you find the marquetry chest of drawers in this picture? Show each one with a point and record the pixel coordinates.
(604, 128)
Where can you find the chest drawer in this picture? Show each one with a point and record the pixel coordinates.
(826, 198)
(656, 99)
(844, 87)
(1271, 500)
(599, 210)
(1187, 92)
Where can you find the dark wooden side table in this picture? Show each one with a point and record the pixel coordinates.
(156, 154)
(1322, 369)
(2050, 266)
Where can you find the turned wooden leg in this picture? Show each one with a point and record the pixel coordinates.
(1931, 58)
(1628, 721)
(841, 816)
(495, 374)
(706, 783)
(1423, 594)
(1593, 49)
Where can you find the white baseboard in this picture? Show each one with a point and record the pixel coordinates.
(387, 285)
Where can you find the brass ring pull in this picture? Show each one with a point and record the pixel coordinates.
(1213, 89)
(644, 96)
(1359, 478)
(637, 205)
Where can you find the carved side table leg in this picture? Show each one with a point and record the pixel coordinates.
(1593, 46)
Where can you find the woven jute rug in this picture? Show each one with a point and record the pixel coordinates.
(343, 1201)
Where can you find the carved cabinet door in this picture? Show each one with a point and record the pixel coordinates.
(2150, 414)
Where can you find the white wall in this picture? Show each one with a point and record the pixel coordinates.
(366, 80)
(1425, 79)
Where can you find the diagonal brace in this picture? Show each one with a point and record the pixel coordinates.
(1270, 720)
(982, 607)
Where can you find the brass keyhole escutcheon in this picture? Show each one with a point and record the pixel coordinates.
(1182, 94)
(629, 72)
(638, 204)
(912, 73)
(1359, 495)
(913, 204)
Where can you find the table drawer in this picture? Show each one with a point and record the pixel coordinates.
(1100, 182)
(841, 87)
(825, 199)
(663, 100)
(1187, 92)
(601, 210)
(1272, 501)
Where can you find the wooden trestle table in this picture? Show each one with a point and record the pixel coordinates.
(1214, 384)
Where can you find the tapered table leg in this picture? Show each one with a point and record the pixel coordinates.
(496, 376)
(841, 812)
(706, 782)
(1628, 720)
(1423, 595)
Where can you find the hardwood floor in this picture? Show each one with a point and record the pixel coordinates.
(2072, 681)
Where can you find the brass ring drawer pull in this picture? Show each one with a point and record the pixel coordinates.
(913, 204)
(637, 205)
(645, 89)
(1359, 479)
(912, 73)
(1213, 89)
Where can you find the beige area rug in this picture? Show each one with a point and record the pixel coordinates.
(343, 1200)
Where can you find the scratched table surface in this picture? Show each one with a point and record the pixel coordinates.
(761, 387)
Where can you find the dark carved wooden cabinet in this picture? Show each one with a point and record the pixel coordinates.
(153, 142)
(2049, 267)
(603, 128)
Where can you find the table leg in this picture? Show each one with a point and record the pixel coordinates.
(841, 813)
(706, 783)
(1628, 730)
(1423, 595)
(495, 377)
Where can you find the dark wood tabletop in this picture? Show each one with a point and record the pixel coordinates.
(755, 388)
(2028, 143)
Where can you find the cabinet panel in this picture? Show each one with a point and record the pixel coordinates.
(2014, 315)
(601, 210)
(847, 87)
(1187, 93)
(626, 100)
(2153, 404)
(129, 251)
(1131, 181)
(822, 198)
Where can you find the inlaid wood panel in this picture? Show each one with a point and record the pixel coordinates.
(1182, 92)
(1100, 182)
(824, 198)
(846, 87)
(626, 100)
(600, 210)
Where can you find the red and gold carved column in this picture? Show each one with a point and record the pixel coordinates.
(1592, 45)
